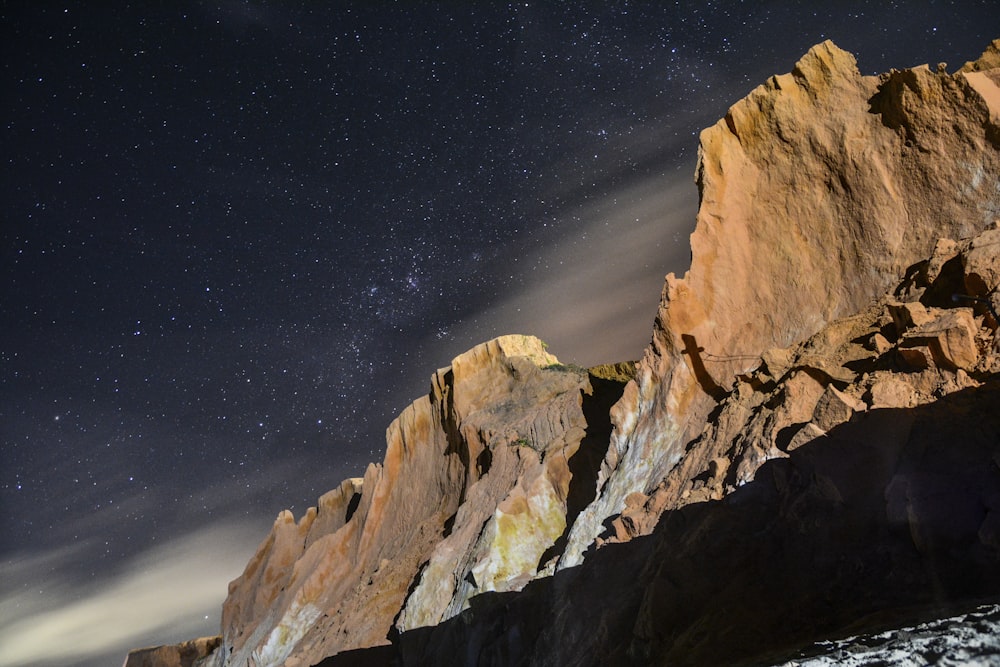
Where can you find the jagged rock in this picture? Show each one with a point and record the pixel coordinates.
(798, 398)
(908, 315)
(808, 433)
(990, 59)
(982, 76)
(882, 521)
(879, 343)
(508, 526)
(891, 392)
(474, 491)
(810, 438)
(949, 337)
(819, 191)
(982, 264)
(777, 361)
(944, 251)
(918, 357)
(186, 654)
(834, 408)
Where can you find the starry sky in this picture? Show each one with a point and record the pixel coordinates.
(238, 237)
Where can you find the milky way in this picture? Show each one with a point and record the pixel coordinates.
(239, 237)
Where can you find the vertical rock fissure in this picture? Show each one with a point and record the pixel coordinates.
(585, 464)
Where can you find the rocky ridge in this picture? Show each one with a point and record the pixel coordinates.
(473, 494)
(846, 484)
(815, 420)
(818, 191)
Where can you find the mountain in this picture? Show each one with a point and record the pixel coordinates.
(808, 448)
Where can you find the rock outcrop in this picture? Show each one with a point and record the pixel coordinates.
(914, 346)
(971, 638)
(809, 446)
(475, 493)
(837, 488)
(184, 654)
(818, 191)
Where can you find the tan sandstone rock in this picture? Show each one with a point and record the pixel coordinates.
(185, 654)
(818, 191)
(891, 392)
(819, 278)
(808, 433)
(950, 338)
(473, 492)
(982, 264)
(834, 408)
(944, 251)
(990, 59)
(909, 315)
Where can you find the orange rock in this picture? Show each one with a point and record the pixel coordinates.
(471, 494)
(819, 191)
(981, 264)
(908, 315)
(835, 407)
(822, 194)
(891, 392)
(951, 338)
(185, 654)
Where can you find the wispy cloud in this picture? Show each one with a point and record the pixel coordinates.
(168, 593)
(593, 297)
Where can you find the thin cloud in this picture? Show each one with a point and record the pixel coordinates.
(168, 593)
(594, 300)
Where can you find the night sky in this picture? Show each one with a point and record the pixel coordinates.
(238, 238)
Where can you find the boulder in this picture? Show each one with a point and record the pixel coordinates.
(949, 339)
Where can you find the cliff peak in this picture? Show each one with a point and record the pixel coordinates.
(778, 465)
(818, 191)
(474, 493)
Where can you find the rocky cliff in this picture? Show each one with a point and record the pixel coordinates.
(810, 445)
(818, 191)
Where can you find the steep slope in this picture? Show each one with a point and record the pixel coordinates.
(472, 496)
(854, 487)
(809, 441)
(818, 191)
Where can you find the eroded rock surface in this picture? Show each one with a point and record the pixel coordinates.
(893, 354)
(811, 438)
(186, 654)
(819, 190)
(473, 496)
(836, 489)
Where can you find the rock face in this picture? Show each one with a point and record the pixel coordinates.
(809, 446)
(818, 191)
(473, 496)
(836, 489)
(184, 654)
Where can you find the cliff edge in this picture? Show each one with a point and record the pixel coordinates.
(481, 478)
(809, 446)
(818, 191)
